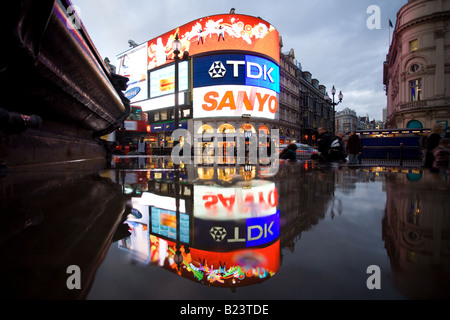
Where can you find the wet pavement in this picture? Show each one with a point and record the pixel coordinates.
(87, 230)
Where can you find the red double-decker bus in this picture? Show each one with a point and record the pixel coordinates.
(135, 127)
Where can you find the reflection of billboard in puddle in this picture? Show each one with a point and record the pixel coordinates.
(225, 235)
(223, 203)
(164, 223)
(137, 243)
(230, 218)
(222, 269)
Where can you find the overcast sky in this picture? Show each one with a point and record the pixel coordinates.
(331, 38)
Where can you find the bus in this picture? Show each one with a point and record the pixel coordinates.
(392, 143)
(134, 127)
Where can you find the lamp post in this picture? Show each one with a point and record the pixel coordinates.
(334, 104)
(176, 47)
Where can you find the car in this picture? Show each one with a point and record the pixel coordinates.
(303, 151)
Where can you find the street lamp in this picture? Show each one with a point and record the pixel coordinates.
(176, 47)
(334, 104)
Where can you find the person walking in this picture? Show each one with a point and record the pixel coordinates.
(323, 144)
(354, 148)
(338, 152)
(432, 143)
(441, 156)
(142, 146)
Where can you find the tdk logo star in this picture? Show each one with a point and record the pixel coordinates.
(217, 70)
(218, 233)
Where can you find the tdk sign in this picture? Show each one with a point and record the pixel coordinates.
(235, 69)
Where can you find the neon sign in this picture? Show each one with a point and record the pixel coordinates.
(217, 33)
(238, 69)
(218, 203)
(234, 101)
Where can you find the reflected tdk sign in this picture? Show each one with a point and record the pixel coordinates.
(234, 234)
(226, 69)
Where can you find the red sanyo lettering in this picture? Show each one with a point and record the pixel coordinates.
(228, 100)
(264, 201)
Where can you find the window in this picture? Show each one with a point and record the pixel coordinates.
(413, 45)
(415, 90)
(414, 68)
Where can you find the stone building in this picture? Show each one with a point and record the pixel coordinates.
(346, 120)
(417, 68)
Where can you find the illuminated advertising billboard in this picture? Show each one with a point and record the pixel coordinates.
(237, 69)
(226, 235)
(163, 220)
(221, 269)
(164, 223)
(137, 243)
(234, 61)
(162, 81)
(234, 101)
(217, 33)
(220, 203)
(132, 65)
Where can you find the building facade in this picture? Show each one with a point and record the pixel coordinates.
(346, 120)
(232, 86)
(225, 75)
(303, 107)
(417, 69)
(289, 102)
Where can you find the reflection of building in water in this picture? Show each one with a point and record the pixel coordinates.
(223, 232)
(416, 231)
(231, 222)
(305, 197)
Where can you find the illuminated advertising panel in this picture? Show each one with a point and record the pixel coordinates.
(234, 101)
(222, 269)
(237, 69)
(137, 243)
(219, 203)
(217, 33)
(164, 223)
(163, 220)
(132, 65)
(226, 235)
(162, 102)
(162, 81)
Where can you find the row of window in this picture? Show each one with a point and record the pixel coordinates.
(166, 115)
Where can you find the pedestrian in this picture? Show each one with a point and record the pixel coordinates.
(432, 143)
(441, 156)
(354, 148)
(323, 144)
(338, 150)
(289, 153)
(142, 146)
(423, 148)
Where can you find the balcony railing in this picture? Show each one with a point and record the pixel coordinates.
(413, 105)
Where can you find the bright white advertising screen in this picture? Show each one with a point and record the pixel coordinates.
(162, 81)
(133, 66)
